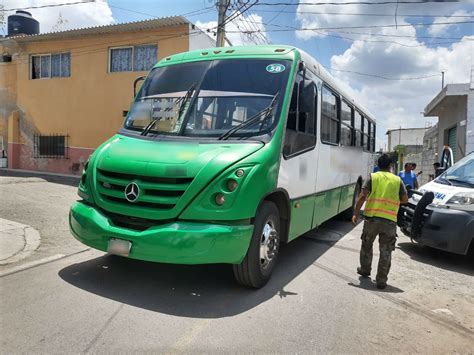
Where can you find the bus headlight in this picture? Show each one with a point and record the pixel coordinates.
(232, 185)
(461, 198)
(226, 189)
(220, 199)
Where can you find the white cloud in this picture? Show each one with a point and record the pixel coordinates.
(241, 31)
(438, 30)
(399, 103)
(394, 103)
(66, 17)
(324, 16)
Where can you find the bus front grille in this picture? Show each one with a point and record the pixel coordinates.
(160, 193)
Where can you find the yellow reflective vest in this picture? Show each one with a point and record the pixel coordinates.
(384, 198)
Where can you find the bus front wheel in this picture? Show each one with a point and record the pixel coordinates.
(256, 268)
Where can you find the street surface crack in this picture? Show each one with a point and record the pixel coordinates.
(104, 327)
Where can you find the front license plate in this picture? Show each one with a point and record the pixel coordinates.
(119, 247)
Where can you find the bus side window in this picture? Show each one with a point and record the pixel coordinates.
(300, 129)
(372, 138)
(347, 117)
(366, 134)
(330, 123)
(358, 129)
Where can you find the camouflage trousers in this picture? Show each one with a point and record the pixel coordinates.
(387, 232)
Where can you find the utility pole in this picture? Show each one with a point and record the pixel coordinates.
(222, 8)
(442, 80)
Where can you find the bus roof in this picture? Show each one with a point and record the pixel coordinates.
(281, 52)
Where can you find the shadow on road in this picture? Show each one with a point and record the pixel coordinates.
(202, 291)
(63, 180)
(453, 262)
(368, 284)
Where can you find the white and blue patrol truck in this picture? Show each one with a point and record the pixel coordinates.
(441, 213)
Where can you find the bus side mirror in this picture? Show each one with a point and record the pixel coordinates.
(135, 83)
(306, 96)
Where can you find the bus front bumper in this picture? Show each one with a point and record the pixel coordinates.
(179, 242)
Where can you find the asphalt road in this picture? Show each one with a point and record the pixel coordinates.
(67, 298)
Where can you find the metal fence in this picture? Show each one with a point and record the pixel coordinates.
(51, 146)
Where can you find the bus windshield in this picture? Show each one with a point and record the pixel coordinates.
(210, 98)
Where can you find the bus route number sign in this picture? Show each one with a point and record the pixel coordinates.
(275, 68)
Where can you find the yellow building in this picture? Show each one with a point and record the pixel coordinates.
(64, 93)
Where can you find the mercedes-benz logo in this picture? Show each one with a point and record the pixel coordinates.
(132, 191)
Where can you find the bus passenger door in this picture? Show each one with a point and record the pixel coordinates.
(298, 165)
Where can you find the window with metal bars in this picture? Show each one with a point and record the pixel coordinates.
(52, 146)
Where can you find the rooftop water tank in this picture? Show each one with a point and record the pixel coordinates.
(22, 23)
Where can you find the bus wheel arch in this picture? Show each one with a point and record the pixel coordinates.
(257, 266)
(347, 214)
(281, 199)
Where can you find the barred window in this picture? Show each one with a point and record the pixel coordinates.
(56, 65)
(329, 117)
(347, 113)
(53, 146)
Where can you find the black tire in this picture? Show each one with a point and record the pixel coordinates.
(255, 271)
(347, 214)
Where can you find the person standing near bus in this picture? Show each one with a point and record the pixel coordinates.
(384, 192)
(408, 176)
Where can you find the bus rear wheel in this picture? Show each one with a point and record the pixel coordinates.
(256, 268)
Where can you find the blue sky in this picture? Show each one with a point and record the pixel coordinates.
(323, 48)
(395, 72)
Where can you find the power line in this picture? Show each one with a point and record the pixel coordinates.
(292, 28)
(52, 5)
(255, 25)
(202, 11)
(388, 41)
(362, 14)
(401, 36)
(384, 77)
(328, 33)
(356, 3)
(191, 13)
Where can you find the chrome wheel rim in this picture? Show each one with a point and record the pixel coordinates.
(268, 245)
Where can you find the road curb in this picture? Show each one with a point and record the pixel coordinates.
(18, 241)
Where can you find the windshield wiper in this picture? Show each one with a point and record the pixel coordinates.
(183, 99)
(461, 182)
(442, 180)
(255, 118)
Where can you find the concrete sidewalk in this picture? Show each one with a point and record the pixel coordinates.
(17, 241)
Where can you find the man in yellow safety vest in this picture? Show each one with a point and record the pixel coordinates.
(384, 192)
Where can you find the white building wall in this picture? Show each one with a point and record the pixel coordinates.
(199, 39)
(470, 119)
(411, 136)
(454, 116)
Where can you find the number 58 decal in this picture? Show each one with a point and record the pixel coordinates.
(275, 68)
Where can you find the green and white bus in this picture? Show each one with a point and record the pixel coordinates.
(225, 154)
